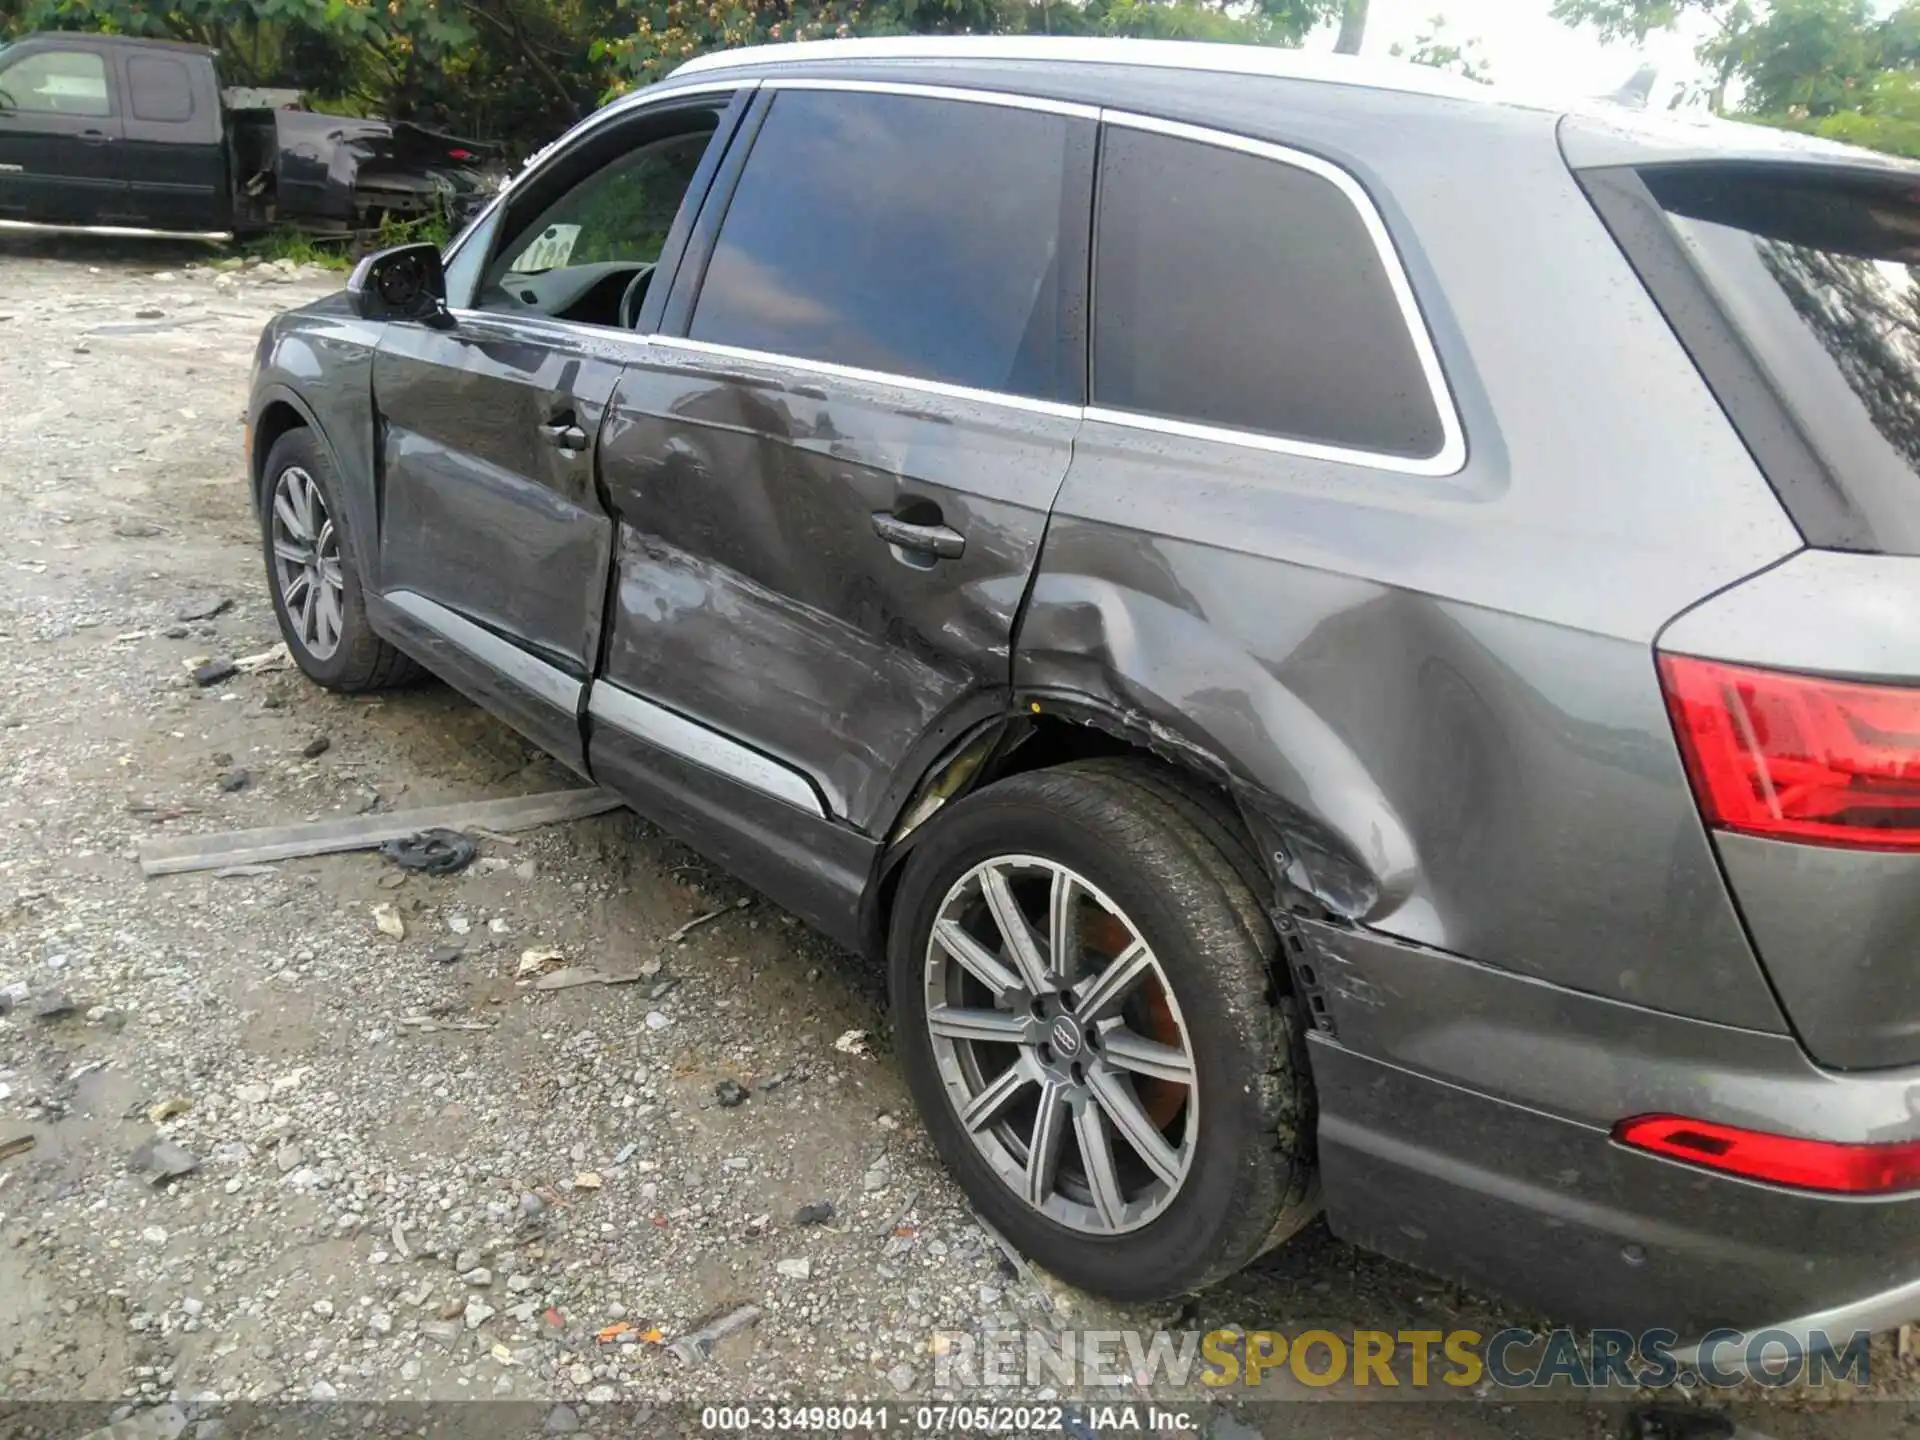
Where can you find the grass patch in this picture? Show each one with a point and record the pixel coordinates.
(337, 252)
(302, 250)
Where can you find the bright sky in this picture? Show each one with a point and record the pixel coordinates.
(1525, 44)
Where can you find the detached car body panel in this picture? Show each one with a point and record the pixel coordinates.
(794, 576)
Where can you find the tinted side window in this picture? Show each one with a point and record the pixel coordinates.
(1239, 291)
(940, 239)
(57, 82)
(160, 89)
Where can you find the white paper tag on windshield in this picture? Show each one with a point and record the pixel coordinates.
(552, 249)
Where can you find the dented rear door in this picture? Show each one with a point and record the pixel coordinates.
(832, 482)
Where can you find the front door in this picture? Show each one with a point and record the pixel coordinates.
(831, 488)
(59, 133)
(494, 542)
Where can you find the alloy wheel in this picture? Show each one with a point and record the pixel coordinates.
(1060, 1044)
(306, 562)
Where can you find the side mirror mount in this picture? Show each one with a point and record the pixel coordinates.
(407, 282)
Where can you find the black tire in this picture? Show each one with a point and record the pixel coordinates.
(1176, 865)
(361, 661)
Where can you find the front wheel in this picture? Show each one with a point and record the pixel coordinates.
(1084, 990)
(313, 572)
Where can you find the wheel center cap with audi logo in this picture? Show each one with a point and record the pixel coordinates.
(1065, 1034)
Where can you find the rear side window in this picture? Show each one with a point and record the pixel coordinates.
(1238, 291)
(1820, 273)
(159, 89)
(939, 239)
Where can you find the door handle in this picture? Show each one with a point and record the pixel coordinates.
(941, 541)
(95, 137)
(563, 434)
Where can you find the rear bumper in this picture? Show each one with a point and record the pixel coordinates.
(1464, 1128)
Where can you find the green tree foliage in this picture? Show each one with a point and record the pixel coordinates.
(1433, 46)
(1836, 68)
(522, 70)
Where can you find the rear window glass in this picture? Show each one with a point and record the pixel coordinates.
(1822, 276)
(161, 89)
(1238, 291)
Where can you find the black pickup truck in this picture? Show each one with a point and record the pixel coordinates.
(119, 136)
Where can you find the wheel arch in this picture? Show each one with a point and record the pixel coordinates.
(278, 411)
(1044, 732)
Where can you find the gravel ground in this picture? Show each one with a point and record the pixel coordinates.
(528, 1196)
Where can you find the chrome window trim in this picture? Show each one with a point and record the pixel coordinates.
(871, 377)
(1006, 100)
(701, 745)
(536, 324)
(1452, 454)
(1184, 55)
(1449, 460)
(625, 106)
(536, 677)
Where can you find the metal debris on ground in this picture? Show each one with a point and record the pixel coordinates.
(273, 658)
(532, 962)
(436, 852)
(1015, 1259)
(316, 747)
(695, 1347)
(204, 607)
(694, 924)
(730, 1093)
(425, 1024)
(388, 920)
(54, 1007)
(163, 1161)
(243, 872)
(166, 1110)
(853, 1042)
(1673, 1422)
(898, 1225)
(568, 979)
(214, 671)
(235, 781)
(328, 837)
(18, 1145)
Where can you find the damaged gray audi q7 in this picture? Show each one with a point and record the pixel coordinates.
(1353, 644)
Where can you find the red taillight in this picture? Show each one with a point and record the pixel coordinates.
(1808, 1164)
(1795, 757)
(459, 154)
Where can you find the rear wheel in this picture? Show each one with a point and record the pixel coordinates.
(1084, 992)
(313, 573)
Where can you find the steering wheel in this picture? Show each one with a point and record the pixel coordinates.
(635, 292)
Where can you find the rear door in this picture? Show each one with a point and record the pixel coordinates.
(59, 136)
(173, 143)
(495, 543)
(832, 479)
